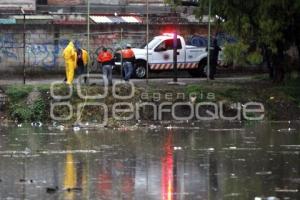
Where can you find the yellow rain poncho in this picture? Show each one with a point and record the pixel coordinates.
(70, 57)
(85, 57)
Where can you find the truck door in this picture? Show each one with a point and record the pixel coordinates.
(162, 56)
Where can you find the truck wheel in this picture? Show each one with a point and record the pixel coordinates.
(140, 70)
(199, 72)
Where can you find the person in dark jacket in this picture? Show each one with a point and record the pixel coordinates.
(82, 61)
(214, 55)
(106, 59)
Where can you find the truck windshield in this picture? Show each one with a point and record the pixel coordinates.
(153, 42)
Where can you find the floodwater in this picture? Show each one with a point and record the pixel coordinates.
(219, 160)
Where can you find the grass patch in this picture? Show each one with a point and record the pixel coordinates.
(17, 92)
(19, 109)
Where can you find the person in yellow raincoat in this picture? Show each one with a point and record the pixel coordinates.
(70, 57)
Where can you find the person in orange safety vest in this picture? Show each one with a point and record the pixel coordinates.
(128, 59)
(106, 59)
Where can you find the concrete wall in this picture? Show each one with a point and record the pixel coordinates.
(102, 2)
(44, 43)
(25, 4)
(65, 2)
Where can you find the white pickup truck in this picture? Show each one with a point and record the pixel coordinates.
(160, 56)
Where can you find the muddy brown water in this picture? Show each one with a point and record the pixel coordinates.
(216, 160)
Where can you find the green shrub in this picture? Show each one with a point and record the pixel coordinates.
(17, 92)
(21, 112)
(38, 110)
(254, 58)
(234, 54)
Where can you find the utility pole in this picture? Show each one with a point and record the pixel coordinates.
(24, 45)
(175, 57)
(88, 36)
(208, 45)
(147, 40)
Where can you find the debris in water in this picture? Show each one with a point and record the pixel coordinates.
(76, 128)
(286, 190)
(169, 127)
(51, 189)
(232, 195)
(74, 189)
(27, 151)
(226, 129)
(177, 148)
(152, 126)
(233, 176)
(19, 125)
(291, 146)
(266, 198)
(36, 124)
(263, 173)
(284, 130)
(210, 149)
(60, 127)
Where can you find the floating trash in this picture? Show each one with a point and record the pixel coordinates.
(232, 195)
(51, 189)
(169, 127)
(210, 149)
(60, 127)
(50, 133)
(36, 124)
(241, 149)
(266, 198)
(152, 127)
(285, 190)
(226, 129)
(76, 189)
(263, 173)
(286, 130)
(76, 128)
(291, 146)
(67, 151)
(27, 150)
(177, 148)
(240, 159)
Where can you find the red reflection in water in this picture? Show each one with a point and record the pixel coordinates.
(115, 175)
(167, 182)
(105, 183)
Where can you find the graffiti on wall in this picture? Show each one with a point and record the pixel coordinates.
(45, 53)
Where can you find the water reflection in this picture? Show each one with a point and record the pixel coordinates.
(216, 161)
(168, 182)
(70, 180)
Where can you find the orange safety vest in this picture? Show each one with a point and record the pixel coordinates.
(127, 53)
(105, 56)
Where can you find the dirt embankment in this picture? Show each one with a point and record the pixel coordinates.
(220, 99)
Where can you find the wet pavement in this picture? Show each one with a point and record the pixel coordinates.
(219, 160)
